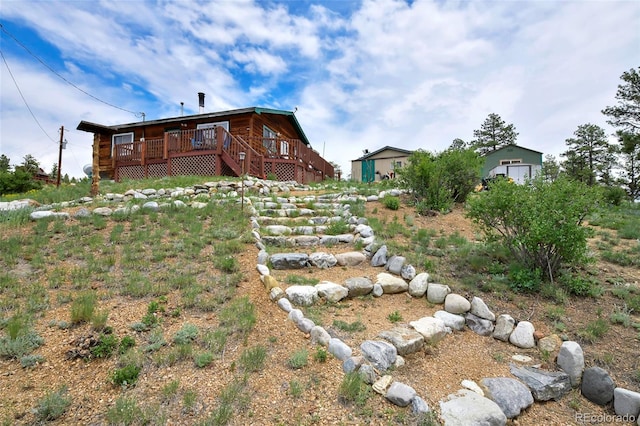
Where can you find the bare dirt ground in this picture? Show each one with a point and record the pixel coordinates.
(434, 373)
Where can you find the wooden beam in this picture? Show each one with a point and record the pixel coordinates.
(95, 168)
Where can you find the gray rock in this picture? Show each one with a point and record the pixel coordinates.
(571, 361)
(319, 336)
(544, 385)
(391, 284)
(436, 293)
(302, 295)
(351, 258)
(419, 406)
(418, 285)
(522, 335)
(433, 329)
(352, 363)
(377, 290)
(395, 264)
(368, 374)
(322, 260)
(303, 230)
(364, 230)
(478, 325)
(456, 304)
(480, 309)
(289, 260)
(466, 408)
(262, 269)
(305, 325)
(102, 211)
(504, 327)
(358, 286)
(380, 257)
(406, 340)
(43, 214)
(626, 402)
(381, 354)
(305, 241)
(400, 394)
(82, 213)
(408, 272)
(331, 292)
(285, 305)
(295, 315)
(597, 385)
(277, 230)
(453, 321)
(276, 293)
(151, 205)
(339, 349)
(511, 395)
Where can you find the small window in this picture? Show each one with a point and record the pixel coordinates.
(506, 162)
(398, 164)
(121, 139)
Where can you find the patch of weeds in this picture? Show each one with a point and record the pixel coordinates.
(215, 340)
(295, 389)
(253, 359)
(99, 320)
(300, 280)
(203, 359)
(28, 361)
(523, 279)
(126, 343)
(391, 202)
(353, 389)
(125, 376)
(155, 341)
(594, 330)
(394, 317)
(498, 357)
(299, 359)
(320, 355)
(187, 334)
(238, 316)
(170, 389)
(24, 342)
(554, 313)
(349, 327)
(227, 264)
(107, 345)
(580, 286)
(82, 308)
(125, 412)
(621, 315)
(53, 405)
(337, 227)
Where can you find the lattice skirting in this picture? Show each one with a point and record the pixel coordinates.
(130, 172)
(285, 171)
(201, 165)
(157, 170)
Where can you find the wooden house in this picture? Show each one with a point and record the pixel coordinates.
(512, 161)
(378, 165)
(260, 142)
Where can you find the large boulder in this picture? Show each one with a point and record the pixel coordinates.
(571, 361)
(522, 335)
(466, 408)
(597, 385)
(406, 340)
(331, 292)
(544, 385)
(418, 285)
(433, 329)
(391, 284)
(358, 286)
(381, 354)
(302, 295)
(511, 395)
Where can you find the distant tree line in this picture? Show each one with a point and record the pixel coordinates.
(24, 176)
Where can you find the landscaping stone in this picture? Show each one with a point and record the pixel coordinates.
(504, 327)
(466, 408)
(358, 286)
(331, 292)
(262, 269)
(382, 384)
(478, 325)
(544, 385)
(400, 394)
(522, 335)
(368, 374)
(626, 402)
(351, 258)
(285, 305)
(391, 284)
(408, 272)
(289, 260)
(295, 315)
(305, 325)
(511, 395)
(339, 349)
(480, 309)
(379, 353)
(377, 290)
(276, 294)
(418, 285)
(453, 321)
(405, 340)
(352, 364)
(456, 304)
(302, 295)
(394, 264)
(436, 293)
(419, 406)
(319, 336)
(323, 260)
(380, 257)
(571, 361)
(550, 344)
(597, 385)
(433, 329)
(472, 386)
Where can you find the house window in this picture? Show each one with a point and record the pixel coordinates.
(121, 139)
(505, 162)
(269, 140)
(205, 137)
(398, 164)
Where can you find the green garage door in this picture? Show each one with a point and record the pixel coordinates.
(368, 170)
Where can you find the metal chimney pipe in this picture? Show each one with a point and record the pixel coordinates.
(181, 109)
(201, 102)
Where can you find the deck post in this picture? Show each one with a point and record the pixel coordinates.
(143, 152)
(165, 146)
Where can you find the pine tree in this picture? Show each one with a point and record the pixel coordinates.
(493, 134)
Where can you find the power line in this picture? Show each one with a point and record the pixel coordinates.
(137, 114)
(23, 98)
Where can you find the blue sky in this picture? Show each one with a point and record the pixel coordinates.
(362, 74)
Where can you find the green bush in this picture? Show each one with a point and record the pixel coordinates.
(186, 334)
(524, 280)
(203, 359)
(298, 359)
(126, 375)
(614, 195)
(53, 405)
(107, 344)
(82, 308)
(392, 203)
(540, 223)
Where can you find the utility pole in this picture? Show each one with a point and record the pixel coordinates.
(60, 156)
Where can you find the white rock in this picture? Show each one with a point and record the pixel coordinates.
(522, 335)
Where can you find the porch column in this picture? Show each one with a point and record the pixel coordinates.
(95, 168)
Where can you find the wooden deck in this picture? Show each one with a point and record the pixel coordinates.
(215, 152)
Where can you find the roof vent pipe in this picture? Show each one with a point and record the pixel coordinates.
(201, 102)
(181, 109)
